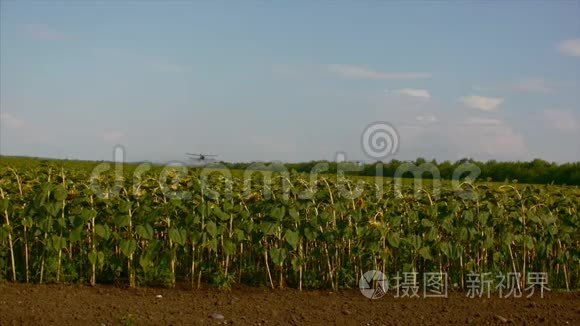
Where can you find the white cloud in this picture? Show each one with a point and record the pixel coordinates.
(413, 92)
(10, 121)
(527, 85)
(43, 32)
(533, 85)
(286, 71)
(498, 141)
(570, 47)
(426, 118)
(112, 136)
(359, 72)
(483, 121)
(454, 139)
(481, 102)
(561, 120)
(172, 68)
(278, 147)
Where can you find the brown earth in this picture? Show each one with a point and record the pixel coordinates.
(22, 304)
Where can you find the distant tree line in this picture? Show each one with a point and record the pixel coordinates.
(536, 171)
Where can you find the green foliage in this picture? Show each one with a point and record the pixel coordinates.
(264, 235)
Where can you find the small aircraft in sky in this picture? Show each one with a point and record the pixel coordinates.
(200, 157)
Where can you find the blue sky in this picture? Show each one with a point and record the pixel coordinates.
(290, 82)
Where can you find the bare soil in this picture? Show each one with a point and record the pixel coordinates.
(23, 304)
